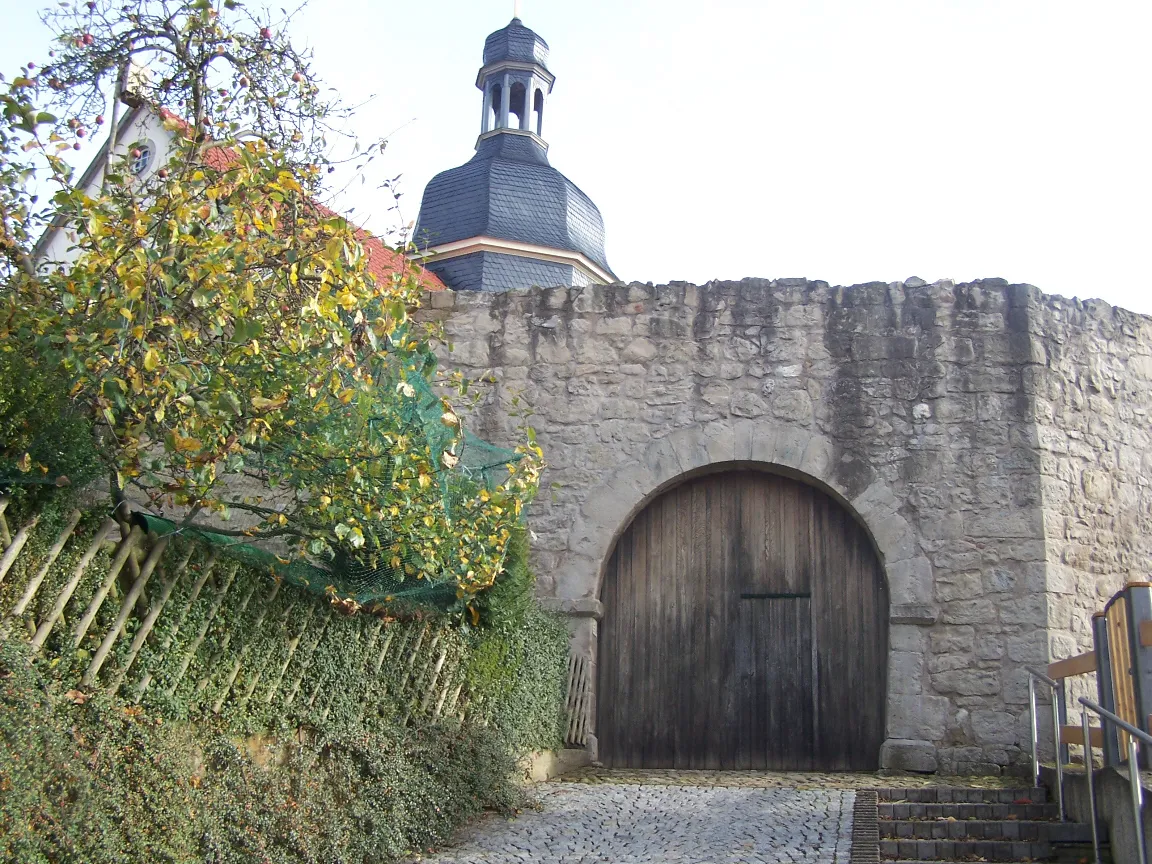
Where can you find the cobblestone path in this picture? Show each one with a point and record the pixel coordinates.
(627, 824)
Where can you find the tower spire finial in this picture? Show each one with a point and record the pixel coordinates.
(515, 8)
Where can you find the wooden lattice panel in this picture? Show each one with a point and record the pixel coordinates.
(150, 608)
(579, 700)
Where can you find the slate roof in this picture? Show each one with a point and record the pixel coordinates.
(515, 42)
(508, 190)
(491, 271)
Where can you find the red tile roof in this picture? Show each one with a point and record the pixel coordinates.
(383, 261)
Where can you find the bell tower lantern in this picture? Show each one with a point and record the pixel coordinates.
(506, 218)
(515, 81)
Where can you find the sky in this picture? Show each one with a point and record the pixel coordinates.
(843, 140)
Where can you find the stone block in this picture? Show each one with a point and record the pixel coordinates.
(967, 682)
(743, 433)
(993, 727)
(876, 502)
(790, 446)
(969, 612)
(905, 669)
(906, 637)
(999, 579)
(950, 640)
(1030, 647)
(794, 406)
(918, 614)
(748, 405)
(1097, 485)
(895, 538)
(917, 716)
(904, 754)
(716, 395)
(580, 607)
(910, 581)
(577, 577)
(959, 586)
(818, 459)
(639, 351)
(718, 443)
(1025, 610)
(949, 662)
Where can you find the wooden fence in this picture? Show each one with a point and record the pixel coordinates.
(1121, 658)
(177, 623)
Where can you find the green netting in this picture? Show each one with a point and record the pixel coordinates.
(480, 465)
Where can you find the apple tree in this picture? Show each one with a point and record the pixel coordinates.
(236, 353)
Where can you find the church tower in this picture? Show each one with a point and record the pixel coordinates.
(507, 218)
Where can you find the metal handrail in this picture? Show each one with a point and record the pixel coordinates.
(1134, 783)
(1033, 677)
(1055, 685)
(1113, 718)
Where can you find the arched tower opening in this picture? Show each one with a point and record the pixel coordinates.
(518, 106)
(538, 112)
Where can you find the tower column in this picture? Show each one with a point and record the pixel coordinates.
(526, 114)
(487, 107)
(505, 101)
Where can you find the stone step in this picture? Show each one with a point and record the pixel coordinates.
(961, 850)
(964, 795)
(1009, 829)
(1060, 855)
(998, 812)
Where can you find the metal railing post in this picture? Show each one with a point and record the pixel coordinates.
(1065, 753)
(1135, 786)
(1056, 751)
(1137, 798)
(1088, 772)
(1032, 726)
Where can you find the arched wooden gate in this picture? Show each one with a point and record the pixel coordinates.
(745, 627)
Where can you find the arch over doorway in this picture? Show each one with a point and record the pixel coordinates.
(606, 510)
(745, 627)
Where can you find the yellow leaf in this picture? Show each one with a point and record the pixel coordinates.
(425, 481)
(262, 404)
(25, 463)
(151, 359)
(126, 313)
(188, 445)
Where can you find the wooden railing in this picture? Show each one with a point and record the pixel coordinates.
(1122, 660)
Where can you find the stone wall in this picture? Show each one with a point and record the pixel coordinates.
(1093, 400)
(990, 438)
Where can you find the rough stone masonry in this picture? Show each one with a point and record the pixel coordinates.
(993, 440)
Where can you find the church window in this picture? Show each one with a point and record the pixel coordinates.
(141, 157)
